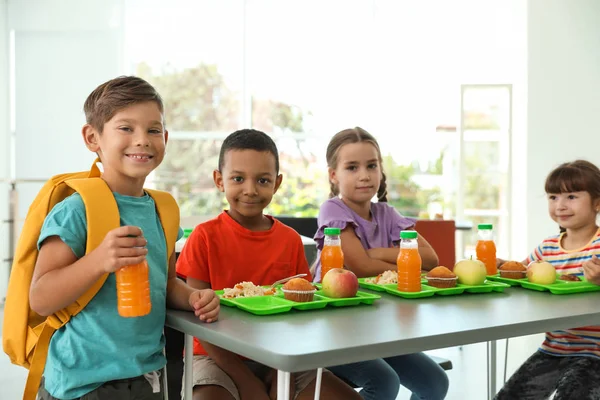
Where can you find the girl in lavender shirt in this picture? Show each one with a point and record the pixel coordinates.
(370, 233)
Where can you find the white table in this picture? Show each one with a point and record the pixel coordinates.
(302, 340)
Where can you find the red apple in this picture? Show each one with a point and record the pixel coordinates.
(340, 283)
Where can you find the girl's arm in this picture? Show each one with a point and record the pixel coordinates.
(356, 258)
(500, 261)
(429, 258)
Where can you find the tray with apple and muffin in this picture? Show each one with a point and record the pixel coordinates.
(468, 276)
(542, 276)
(298, 294)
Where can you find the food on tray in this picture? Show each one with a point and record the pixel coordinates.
(470, 272)
(541, 272)
(340, 283)
(441, 277)
(385, 278)
(513, 270)
(570, 278)
(247, 289)
(299, 289)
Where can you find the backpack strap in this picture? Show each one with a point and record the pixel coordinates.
(168, 212)
(102, 215)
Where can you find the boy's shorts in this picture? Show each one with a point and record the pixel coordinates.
(120, 389)
(207, 372)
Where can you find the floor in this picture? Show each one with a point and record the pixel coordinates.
(467, 378)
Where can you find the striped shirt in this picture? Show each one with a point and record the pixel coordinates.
(583, 341)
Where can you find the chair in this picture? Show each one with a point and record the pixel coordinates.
(442, 362)
(441, 234)
(305, 226)
(174, 343)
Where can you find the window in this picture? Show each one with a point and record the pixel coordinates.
(303, 70)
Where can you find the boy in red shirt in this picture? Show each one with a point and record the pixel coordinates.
(243, 244)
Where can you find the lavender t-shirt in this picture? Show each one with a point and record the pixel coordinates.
(382, 231)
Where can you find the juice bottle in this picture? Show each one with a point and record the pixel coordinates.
(331, 255)
(409, 263)
(133, 290)
(486, 248)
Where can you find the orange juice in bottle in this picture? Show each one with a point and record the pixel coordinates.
(331, 255)
(486, 248)
(409, 263)
(133, 290)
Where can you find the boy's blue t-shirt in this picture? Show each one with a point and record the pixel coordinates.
(98, 345)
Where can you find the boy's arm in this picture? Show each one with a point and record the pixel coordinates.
(180, 295)
(60, 278)
(245, 380)
(429, 258)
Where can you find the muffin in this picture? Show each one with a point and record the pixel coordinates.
(441, 277)
(570, 278)
(513, 270)
(299, 290)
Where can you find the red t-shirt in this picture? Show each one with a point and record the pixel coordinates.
(222, 253)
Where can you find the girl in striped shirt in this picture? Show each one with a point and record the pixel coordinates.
(568, 361)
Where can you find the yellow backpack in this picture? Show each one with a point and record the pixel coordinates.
(26, 335)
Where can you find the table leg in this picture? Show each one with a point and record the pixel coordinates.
(283, 385)
(318, 383)
(188, 360)
(492, 389)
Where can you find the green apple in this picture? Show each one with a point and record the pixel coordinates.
(470, 272)
(541, 272)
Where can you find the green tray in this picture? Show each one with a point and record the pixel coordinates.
(377, 287)
(508, 281)
(428, 291)
(277, 304)
(558, 287)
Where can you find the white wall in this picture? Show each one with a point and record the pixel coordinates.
(563, 97)
(59, 59)
(4, 146)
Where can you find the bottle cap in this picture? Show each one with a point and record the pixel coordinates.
(187, 233)
(408, 234)
(332, 231)
(484, 226)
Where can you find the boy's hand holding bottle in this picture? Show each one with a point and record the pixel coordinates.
(205, 304)
(121, 247)
(591, 270)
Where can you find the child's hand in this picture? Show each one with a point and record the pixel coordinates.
(591, 270)
(205, 304)
(121, 247)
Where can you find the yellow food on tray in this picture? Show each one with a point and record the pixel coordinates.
(247, 289)
(385, 278)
